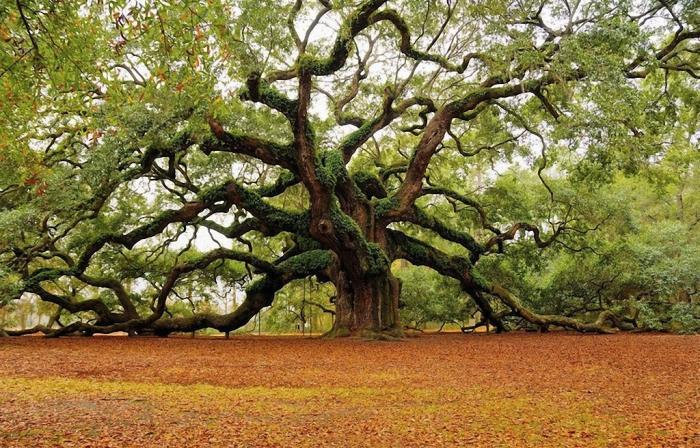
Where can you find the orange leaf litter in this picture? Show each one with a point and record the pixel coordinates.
(551, 390)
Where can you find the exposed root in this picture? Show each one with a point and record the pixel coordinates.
(389, 334)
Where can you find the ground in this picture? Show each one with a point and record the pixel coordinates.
(555, 390)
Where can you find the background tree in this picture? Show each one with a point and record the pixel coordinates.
(149, 146)
(428, 298)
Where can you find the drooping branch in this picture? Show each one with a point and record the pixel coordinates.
(116, 287)
(95, 305)
(229, 194)
(461, 269)
(259, 294)
(607, 321)
(323, 308)
(201, 263)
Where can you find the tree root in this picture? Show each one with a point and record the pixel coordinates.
(389, 334)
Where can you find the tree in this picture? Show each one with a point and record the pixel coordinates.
(299, 307)
(428, 297)
(641, 261)
(131, 130)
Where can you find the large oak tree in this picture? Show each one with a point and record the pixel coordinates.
(309, 138)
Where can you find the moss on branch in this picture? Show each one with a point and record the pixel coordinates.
(260, 91)
(369, 184)
(330, 168)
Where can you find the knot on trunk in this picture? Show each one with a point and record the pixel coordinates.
(325, 227)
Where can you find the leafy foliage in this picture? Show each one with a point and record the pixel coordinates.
(156, 156)
(427, 297)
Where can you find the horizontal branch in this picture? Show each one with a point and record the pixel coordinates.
(266, 151)
(536, 234)
(483, 218)
(420, 218)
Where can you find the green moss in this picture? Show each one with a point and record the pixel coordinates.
(306, 244)
(45, 274)
(479, 279)
(260, 285)
(344, 225)
(357, 138)
(378, 262)
(331, 168)
(310, 63)
(273, 98)
(343, 44)
(416, 251)
(307, 263)
(369, 184)
(342, 47)
(269, 96)
(285, 179)
(212, 195)
(363, 177)
(448, 233)
(297, 222)
(383, 206)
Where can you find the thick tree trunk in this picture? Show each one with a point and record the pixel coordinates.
(367, 307)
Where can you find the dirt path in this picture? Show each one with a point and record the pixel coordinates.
(479, 390)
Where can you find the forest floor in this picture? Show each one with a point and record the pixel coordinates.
(551, 390)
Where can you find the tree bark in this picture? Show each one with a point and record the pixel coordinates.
(367, 307)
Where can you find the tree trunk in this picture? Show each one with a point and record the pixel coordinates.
(367, 307)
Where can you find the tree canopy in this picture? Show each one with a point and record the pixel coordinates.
(541, 154)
